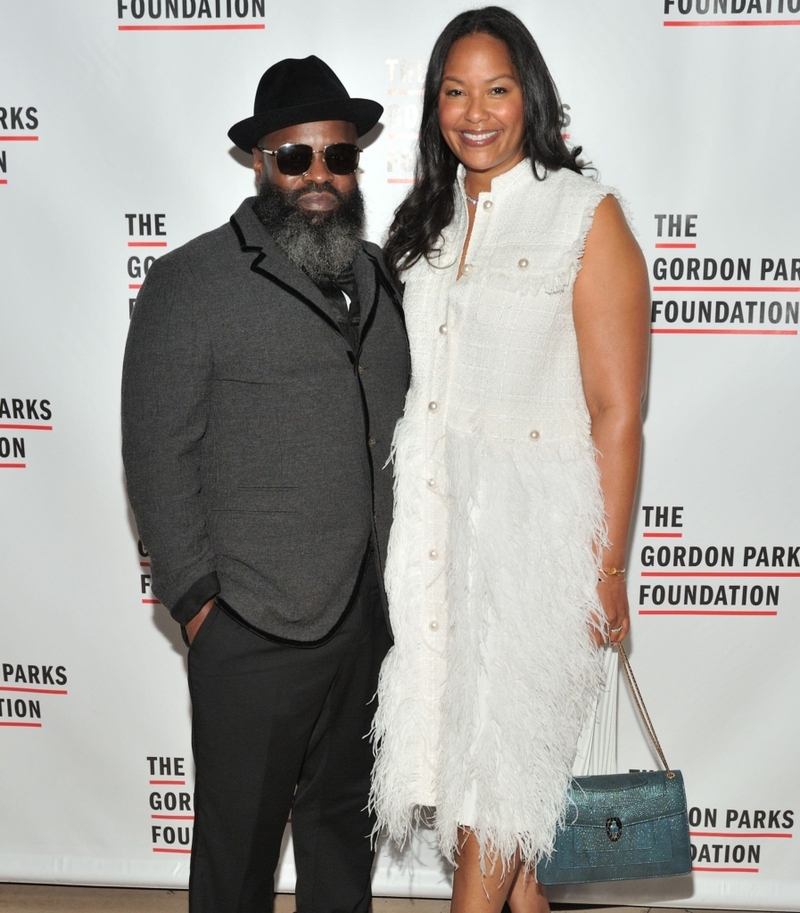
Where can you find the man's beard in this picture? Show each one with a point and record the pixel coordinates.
(322, 244)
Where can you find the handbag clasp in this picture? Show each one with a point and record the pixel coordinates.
(613, 829)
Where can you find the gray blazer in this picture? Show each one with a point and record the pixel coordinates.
(255, 439)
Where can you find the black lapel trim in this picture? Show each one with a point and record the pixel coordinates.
(256, 268)
(388, 286)
(365, 327)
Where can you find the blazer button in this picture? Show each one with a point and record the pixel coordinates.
(361, 369)
(372, 442)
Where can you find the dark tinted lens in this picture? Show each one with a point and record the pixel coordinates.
(294, 158)
(341, 158)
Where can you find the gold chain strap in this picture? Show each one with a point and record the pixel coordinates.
(640, 706)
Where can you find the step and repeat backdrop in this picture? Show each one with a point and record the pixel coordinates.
(113, 150)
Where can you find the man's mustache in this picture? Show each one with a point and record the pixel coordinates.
(317, 188)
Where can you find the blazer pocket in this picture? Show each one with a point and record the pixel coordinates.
(257, 499)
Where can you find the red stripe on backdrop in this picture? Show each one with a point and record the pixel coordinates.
(676, 612)
(708, 868)
(12, 466)
(716, 574)
(158, 849)
(173, 817)
(7, 138)
(189, 28)
(23, 725)
(168, 782)
(738, 835)
(662, 535)
(147, 243)
(726, 288)
(730, 22)
(676, 246)
(726, 332)
(29, 427)
(36, 690)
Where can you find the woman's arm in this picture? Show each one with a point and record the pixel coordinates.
(611, 310)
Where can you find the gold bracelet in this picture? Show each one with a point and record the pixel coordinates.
(612, 573)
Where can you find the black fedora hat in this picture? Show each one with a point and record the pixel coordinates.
(298, 92)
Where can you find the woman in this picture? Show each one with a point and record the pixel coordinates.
(516, 464)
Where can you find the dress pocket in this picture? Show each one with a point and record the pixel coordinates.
(523, 309)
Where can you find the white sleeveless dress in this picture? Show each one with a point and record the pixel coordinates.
(491, 572)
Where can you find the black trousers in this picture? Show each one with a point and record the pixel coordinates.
(279, 729)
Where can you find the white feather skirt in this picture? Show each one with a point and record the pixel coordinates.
(487, 731)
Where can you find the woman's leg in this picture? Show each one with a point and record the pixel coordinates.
(477, 892)
(474, 891)
(527, 895)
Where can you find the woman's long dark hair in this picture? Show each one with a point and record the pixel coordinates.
(429, 206)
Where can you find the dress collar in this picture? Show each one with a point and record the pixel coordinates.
(508, 179)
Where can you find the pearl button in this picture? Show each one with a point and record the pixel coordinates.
(433, 554)
(431, 483)
(523, 264)
(535, 435)
(443, 329)
(434, 625)
(433, 406)
(467, 269)
(488, 204)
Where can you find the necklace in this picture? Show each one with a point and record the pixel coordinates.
(470, 199)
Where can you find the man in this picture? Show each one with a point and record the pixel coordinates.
(266, 366)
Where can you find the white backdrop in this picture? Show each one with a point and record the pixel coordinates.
(113, 149)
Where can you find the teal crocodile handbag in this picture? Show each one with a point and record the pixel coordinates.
(623, 826)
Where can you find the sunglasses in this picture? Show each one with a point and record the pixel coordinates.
(296, 158)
